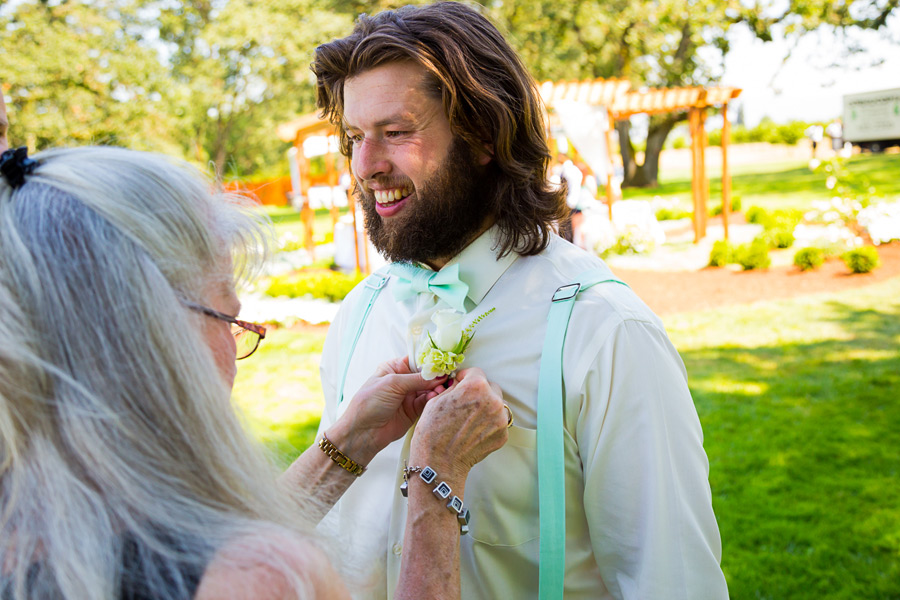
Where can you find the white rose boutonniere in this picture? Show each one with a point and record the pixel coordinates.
(444, 353)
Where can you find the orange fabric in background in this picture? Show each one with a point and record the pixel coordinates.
(269, 191)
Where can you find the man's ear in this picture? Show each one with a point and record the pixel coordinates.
(486, 155)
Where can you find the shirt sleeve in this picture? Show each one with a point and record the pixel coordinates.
(646, 495)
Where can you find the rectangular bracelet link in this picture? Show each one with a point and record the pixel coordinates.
(441, 491)
(344, 461)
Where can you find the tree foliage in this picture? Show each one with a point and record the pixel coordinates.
(665, 43)
(204, 79)
(210, 79)
(71, 76)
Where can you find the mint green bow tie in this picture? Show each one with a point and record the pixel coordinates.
(444, 284)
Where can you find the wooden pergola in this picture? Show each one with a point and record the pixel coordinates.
(297, 132)
(621, 103)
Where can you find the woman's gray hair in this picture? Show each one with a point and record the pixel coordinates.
(116, 429)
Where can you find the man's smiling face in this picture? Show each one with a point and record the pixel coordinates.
(420, 186)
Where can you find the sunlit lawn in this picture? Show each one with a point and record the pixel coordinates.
(772, 186)
(287, 219)
(799, 405)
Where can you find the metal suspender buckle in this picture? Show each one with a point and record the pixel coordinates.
(566, 292)
(376, 282)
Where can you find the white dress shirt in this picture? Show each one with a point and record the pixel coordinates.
(639, 519)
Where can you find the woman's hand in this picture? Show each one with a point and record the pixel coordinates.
(459, 428)
(386, 406)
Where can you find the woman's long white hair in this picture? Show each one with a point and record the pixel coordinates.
(116, 431)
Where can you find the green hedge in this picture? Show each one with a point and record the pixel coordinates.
(807, 259)
(319, 283)
(861, 260)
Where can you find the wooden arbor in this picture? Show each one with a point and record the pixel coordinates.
(297, 132)
(622, 103)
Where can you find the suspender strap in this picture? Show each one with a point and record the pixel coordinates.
(550, 443)
(373, 285)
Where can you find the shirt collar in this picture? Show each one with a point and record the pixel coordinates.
(479, 266)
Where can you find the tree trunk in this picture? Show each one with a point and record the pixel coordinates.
(645, 174)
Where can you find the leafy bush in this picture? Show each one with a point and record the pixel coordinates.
(672, 214)
(716, 210)
(330, 285)
(778, 238)
(766, 131)
(810, 258)
(861, 260)
(721, 254)
(756, 214)
(754, 255)
(776, 219)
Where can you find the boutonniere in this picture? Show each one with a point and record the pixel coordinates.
(445, 351)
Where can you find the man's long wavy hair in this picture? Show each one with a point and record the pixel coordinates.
(488, 95)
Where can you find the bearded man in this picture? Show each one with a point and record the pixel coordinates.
(445, 131)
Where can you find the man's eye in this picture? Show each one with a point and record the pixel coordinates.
(354, 137)
(395, 133)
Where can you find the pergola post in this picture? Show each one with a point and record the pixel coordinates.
(610, 170)
(704, 180)
(696, 196)
(726, 175)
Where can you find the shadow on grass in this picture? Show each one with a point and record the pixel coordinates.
(804, 448)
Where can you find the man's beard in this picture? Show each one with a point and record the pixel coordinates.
(444, 216)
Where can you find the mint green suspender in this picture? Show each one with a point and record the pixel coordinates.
(550, 426)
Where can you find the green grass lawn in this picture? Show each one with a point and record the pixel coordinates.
(286, 219)
(279, 391)
(772, 186)
(799, 405)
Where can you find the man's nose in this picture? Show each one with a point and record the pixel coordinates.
(370, 160)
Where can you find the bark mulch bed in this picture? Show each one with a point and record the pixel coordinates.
(668, 292)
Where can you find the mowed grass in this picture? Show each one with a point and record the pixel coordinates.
(773, 186)
(286, 219)
(279, 391)
(799, 405)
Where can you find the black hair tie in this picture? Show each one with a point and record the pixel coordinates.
(15, 165)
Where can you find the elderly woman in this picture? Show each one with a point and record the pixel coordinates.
(124, 470)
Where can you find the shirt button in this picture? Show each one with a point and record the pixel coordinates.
(398, 548)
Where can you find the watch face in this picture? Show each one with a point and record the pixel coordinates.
(443, 490)
(427, 474)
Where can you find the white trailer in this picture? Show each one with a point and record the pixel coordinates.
(872, 119)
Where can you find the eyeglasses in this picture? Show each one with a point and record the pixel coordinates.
(246, 335)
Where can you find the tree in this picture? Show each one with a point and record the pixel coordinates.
(244, 67)
(666, 43)
(72, 77)
(206, 80)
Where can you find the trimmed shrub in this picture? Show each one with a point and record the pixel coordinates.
(716, 210)
(754, 255)
(757, 215)
(810, 258)
(861, 260)
(329, 285)
(721, 254)
(672, 214)
(779, 238)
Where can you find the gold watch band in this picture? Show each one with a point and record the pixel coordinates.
(340, 458)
